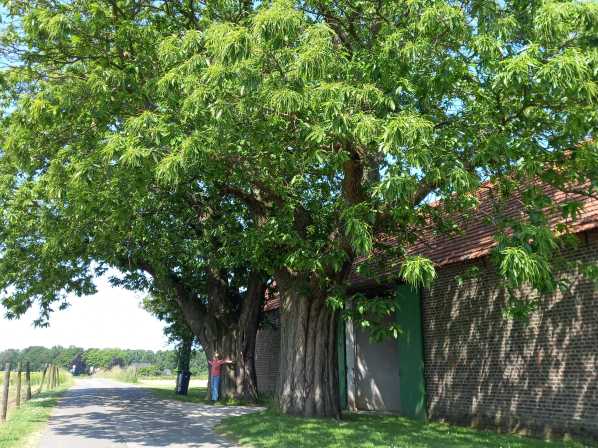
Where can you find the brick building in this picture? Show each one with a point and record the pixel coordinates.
(460, 359)
(267, 347)
(480, 367)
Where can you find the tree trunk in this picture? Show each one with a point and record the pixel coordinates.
(244, 343)
(227, 324)
(239, 380)
(308, 382)
(234, 340)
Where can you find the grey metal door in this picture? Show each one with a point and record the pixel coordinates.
(376, 374)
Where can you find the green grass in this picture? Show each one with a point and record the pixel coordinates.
(195, 395)
(36, 377)
(128, 375)
(170, 377)
(270, 430)
(23, 424)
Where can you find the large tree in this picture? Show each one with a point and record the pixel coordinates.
(156, 242)
(334, 122)
(320, 125)
(75, 72)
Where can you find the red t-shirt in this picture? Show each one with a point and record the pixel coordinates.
(216, 365)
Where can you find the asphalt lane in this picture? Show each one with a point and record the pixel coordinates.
(98, 413)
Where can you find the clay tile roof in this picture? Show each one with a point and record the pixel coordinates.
(476, 237)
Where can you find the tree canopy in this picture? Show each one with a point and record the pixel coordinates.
(294, 134)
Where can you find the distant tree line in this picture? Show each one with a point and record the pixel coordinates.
(103, 358)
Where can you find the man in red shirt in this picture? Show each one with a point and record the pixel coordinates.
(215, 366)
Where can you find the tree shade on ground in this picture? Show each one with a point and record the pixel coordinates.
(270, 430)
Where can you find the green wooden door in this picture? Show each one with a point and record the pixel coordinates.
(342, 363)
(411, 354)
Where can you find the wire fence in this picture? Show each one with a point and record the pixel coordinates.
(20, 385)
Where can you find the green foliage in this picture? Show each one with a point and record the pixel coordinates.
(519, 308)
(376, 315)
(170, 142)
(521, 267)
(39, 357)
(149, 371)
(126, 375)
(418, 271)
(358, 230)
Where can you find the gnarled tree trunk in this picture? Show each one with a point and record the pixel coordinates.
(235, 339)
(244, 343)
(226, 324)
(308, 382)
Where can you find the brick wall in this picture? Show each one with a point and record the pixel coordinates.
(481, 368)
(267, 353)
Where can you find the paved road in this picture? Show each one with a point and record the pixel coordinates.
(106, 414)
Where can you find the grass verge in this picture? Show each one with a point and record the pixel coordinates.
(24, 425)
(132, 375)
(128, 375)
(170, 378)
(196, 395)
(269, 430)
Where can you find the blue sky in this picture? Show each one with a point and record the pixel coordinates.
(111, 318)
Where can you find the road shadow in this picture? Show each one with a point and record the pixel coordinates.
(135, 416)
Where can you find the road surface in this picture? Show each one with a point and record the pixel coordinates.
(98, 413)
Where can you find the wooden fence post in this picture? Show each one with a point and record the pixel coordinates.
(18, 398)
(27, 382)
(41, 385)
(51, 377)
(4, 405)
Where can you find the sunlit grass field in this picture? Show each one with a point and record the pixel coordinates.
(131, 375)
(36, 378)
(128, 375)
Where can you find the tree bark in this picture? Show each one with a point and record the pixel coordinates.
(308, 382)
(41, 384)
(227, 324)
(245, 382)
(18, 397)
(233, 338)
(27, 382)
(237, 343)
(5, 389)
